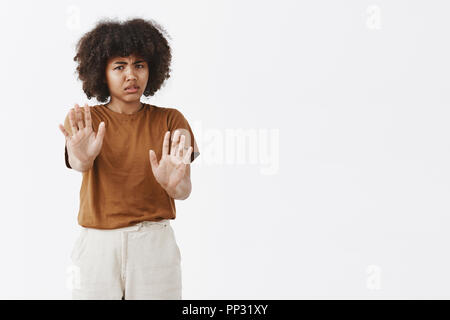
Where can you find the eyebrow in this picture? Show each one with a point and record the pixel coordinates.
(122, 62)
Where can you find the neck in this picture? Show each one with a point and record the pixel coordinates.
(124, 106)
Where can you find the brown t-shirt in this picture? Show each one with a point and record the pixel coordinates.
(120, 189)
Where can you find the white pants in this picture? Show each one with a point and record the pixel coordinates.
(142, 261)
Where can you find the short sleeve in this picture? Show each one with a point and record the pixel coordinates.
(176, 120)
(69, 130)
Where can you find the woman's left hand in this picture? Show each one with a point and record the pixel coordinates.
(172, 167)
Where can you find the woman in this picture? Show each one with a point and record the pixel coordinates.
(127, 248)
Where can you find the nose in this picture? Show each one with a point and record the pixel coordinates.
(130, 74)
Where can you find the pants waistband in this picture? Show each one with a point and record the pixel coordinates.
(135, 227)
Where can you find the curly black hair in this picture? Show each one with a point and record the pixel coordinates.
(110, 39)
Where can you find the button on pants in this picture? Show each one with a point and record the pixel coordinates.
(142, 261)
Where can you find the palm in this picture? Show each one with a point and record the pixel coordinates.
(172, 167)
(170, 171)
(84, 143)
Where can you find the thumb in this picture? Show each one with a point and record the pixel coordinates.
(153, 160)
(64, 132)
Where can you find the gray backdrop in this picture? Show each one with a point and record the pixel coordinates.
(323, 132)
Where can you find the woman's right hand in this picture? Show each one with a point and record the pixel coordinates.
(84, 144)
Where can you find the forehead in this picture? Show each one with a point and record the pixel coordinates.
(131, 58)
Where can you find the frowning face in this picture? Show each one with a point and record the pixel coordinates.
(127, 77)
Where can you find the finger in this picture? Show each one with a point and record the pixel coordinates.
(80, 114)
(187, 157)
(79, 117)
(180, 150)
(87, 116)
(72, 121)
(63, 130)
(166, 142)
(100, 132)
(153, 160)
(174, 142)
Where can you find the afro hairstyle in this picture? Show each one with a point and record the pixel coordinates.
(111, 39)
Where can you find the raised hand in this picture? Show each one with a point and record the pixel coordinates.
(172, 167)
(84, 144)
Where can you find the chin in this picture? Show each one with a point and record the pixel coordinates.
(131, 98)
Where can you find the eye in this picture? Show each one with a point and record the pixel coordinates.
(140, 65)
(118, 67)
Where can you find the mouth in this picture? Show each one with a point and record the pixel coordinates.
(132, 89)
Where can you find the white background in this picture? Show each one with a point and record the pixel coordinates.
(357, 206)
